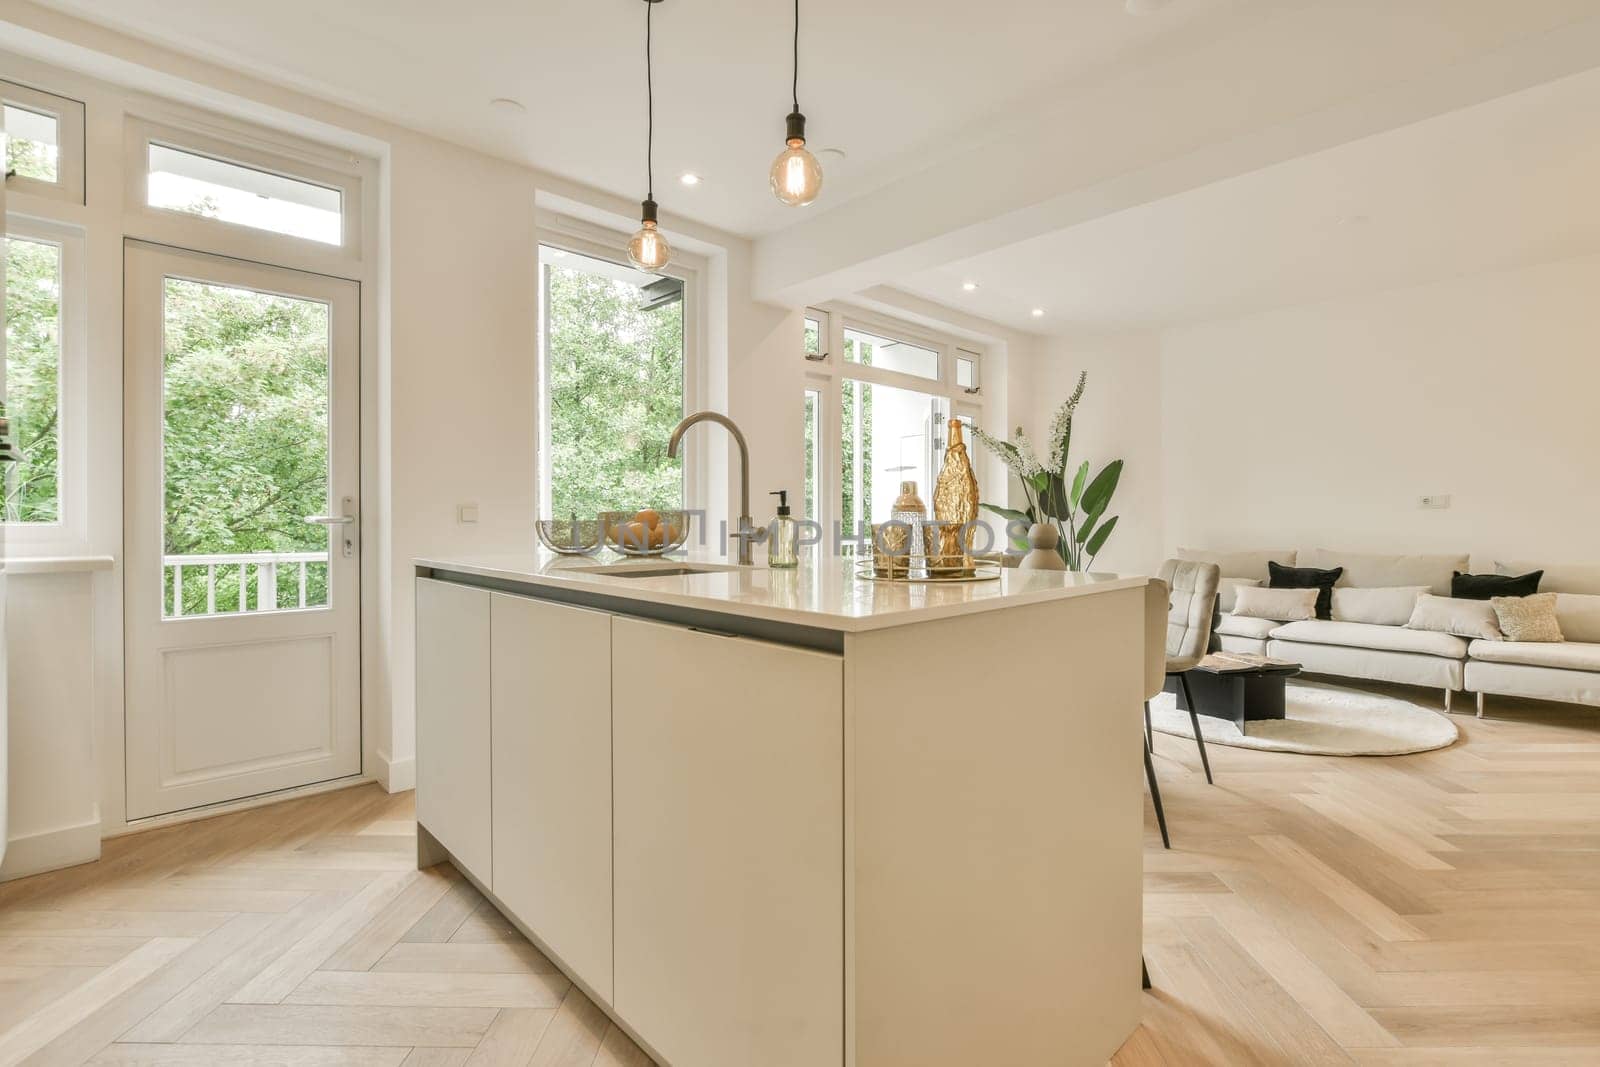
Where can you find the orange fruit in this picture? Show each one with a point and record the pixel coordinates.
(650, 517)
(634, 534)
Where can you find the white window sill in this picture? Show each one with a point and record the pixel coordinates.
(57, 564)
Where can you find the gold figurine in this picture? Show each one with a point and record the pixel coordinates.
(955, 495)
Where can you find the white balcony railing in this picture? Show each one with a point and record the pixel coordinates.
(183, 572)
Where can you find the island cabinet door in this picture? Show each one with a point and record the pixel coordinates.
(552, 778)
(453, 721)
(729, 844)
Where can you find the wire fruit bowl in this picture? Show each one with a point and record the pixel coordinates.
(569, 537)
(645, 533)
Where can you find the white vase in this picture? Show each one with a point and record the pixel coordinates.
(1042, 554)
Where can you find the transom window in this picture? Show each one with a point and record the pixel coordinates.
(43, 143)
(887, 353)
(245, 196)
(33, 144)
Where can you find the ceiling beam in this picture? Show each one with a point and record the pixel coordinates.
(1302, 79)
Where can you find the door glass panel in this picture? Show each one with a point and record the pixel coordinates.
(33, 379)
(888, 436)
(614, 386)
(245, 431)
(32, 144)
(813, 412)
(886, 353)
(216, 189)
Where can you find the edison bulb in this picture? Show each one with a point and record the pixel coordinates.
(649, 249)
(796, 175)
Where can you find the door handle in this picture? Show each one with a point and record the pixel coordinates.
(347, 520)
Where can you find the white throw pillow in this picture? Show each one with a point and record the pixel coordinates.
(1228, 589)
(1528, 618)
(1279, 605)
(1449, 615)
(1579, 615)
(1390, 606)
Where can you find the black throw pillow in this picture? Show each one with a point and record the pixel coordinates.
(1307, 578)
(1489, 586)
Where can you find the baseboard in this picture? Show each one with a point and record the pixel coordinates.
(395, 775)
(51, 850)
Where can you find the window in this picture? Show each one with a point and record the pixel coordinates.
(33, 378)
(888, 436)
(613, 386)
(967, 370)
(813, 454)
(887, 353)
(814, 351)
(32, 144)
(245, 196)
(44, 143)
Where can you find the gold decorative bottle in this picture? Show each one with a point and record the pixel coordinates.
(955, 499)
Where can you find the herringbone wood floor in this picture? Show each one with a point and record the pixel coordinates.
(1439, 908)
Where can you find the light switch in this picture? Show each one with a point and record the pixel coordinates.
(466, 514)
(1436, 502)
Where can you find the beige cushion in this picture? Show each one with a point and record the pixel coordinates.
(1252, 564)
(1373, 570)
(1193, 604)
(1242, 626)
(1228, 589)
(1568, 655)
(1381, 606)
(1528, 618)
(1284, 605)
(1558, 577)
(1365, 635)
(1579, 615)
(1448, 615)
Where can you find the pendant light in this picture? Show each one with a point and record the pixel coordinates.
(796, 174)
(648, 249)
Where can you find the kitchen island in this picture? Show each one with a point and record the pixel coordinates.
(792, 818)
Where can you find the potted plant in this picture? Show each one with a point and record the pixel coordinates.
(1068, 505)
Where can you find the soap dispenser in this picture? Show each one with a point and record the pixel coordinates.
(783, 545)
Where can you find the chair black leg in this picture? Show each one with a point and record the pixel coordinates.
(1188, 698)
(1149, 731)
(1144, 974)
(1155, 796)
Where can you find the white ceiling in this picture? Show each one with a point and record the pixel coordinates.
(891, 82)
(1509, 182)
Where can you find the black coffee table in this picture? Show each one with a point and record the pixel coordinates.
(1237, 687)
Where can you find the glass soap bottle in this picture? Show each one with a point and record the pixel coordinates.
(783, 544)
(909, 509)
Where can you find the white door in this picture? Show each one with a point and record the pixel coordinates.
(242, 549)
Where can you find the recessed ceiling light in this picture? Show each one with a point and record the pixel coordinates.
(507, 106)
(837, 154)
(689, 177)
(1038, 313)
(969, 286)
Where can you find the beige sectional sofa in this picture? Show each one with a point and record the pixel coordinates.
(1568, 671)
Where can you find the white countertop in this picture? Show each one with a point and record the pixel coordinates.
(821, 593)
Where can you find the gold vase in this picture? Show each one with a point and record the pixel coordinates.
(955, 495)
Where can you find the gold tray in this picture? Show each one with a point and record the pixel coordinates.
(865, 571)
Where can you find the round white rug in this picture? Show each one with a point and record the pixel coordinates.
(1322, 720)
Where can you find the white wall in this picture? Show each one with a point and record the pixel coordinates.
(1322, 425)
(1118, 418)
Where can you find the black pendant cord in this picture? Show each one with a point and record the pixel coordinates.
(797, 56)
(650, 108)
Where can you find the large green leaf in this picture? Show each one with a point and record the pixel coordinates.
(1098, 541)
(1098, 495)
(1077, 484)
(1009, 513)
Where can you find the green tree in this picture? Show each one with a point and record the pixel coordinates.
(616, 392)
(33, 360)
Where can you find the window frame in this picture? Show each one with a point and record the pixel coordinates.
(828, 378)
(581, 238)
(183, 230)
(70, 145)
(70, 532)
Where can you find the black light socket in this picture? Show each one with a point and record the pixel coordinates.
(647, 211)
(797, 127)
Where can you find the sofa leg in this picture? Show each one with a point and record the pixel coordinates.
(1480, 705)
(1448, 693)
